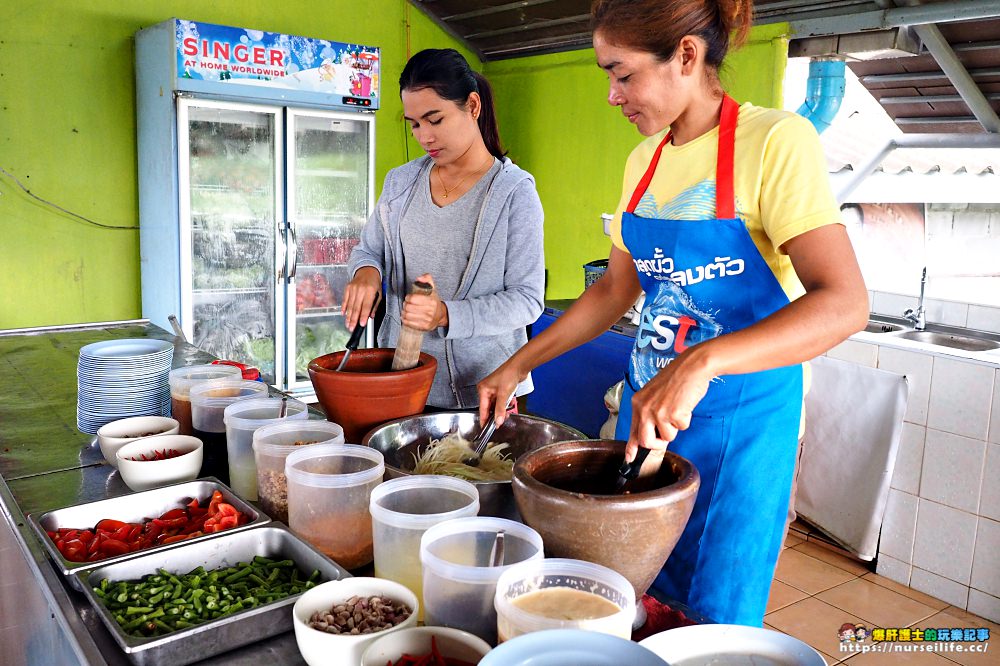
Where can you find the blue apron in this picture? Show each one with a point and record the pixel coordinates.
(705, 278)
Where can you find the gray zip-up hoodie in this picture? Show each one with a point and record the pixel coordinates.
(501, 290)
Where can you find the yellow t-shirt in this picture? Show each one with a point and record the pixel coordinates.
(780, 181)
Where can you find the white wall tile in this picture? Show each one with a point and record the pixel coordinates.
(938, 223)
(893, 569)
(994, 435)
(984, 605)
(899, 526)
(906, 474)
(945, 541)
(852, 351)
(984, 318)
(939, 588)
(917, 367)
(961, 394)
(986, 564)
(952, 471)
(989, 500)
(895, 304)
(971, 224)
(949, 313)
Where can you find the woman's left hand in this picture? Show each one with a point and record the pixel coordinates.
(423, 312)
(664, 405)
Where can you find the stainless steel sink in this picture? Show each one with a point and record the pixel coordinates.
(950, 340)
(875, 326)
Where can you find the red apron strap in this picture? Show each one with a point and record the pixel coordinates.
(646, 177)
(725, 198)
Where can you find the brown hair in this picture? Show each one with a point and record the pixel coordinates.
(657, 26)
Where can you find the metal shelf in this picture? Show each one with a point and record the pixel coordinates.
(310, 313)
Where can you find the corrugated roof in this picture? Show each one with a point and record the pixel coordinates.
(862, 125)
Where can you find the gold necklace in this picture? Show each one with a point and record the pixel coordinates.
(449, 191)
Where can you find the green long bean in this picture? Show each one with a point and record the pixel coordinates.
(164, 602)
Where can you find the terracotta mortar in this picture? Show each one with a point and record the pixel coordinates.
(558, 489)
(367, 392)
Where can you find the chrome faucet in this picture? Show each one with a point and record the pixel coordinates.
(918, 318)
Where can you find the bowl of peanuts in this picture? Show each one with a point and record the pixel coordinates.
(336, 621)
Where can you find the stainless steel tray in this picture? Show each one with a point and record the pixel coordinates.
(226, 633)
(134, 508)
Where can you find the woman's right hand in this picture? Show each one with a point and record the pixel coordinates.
(361, 296)
(500, 384)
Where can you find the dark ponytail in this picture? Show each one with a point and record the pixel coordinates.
(448, 74)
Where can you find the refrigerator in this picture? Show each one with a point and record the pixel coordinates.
(256, 174)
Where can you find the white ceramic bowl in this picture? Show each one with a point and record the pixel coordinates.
(319, 648)
(146, 474)
(112, 436)
(453, 643)
(730, 643)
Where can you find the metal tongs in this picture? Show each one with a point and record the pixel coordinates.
(630, 470)
(484, 438)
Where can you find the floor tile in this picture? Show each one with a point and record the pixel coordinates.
(814, 622)
(782, 595)
(956, 617)
(916, 595)
(793, 539)
(878, 606)
(807, 573)
(833, 555)
(800, 528)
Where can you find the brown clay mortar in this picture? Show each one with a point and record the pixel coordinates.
(367, 392)
(632, 534)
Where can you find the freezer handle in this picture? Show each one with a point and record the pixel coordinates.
(294, 249)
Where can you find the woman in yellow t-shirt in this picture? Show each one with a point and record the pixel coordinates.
(728, 224)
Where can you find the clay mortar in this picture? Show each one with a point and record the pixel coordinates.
(632, 534)
(367, 392)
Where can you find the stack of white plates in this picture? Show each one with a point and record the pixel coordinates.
(117, 379)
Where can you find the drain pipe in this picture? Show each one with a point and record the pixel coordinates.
(824, 91)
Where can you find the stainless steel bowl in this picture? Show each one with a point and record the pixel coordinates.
(403, 439)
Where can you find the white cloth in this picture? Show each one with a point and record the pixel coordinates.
(854, 418)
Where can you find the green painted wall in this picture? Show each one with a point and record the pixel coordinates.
(67, 132)
(557, 124)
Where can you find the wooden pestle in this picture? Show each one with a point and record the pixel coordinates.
(410, 340)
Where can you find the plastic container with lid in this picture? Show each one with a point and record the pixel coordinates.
(271, 445)
(183, 379)
(329, 489)
(459, 583)
(561, 580)
(402, 510)
(242, 419)
(208, 409)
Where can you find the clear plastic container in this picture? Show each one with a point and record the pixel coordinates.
(402, 510)
(208, 410)
(329, 489)
(271, 445)
(459, 583)
(181, 382)
(570, 578)
(242, 419)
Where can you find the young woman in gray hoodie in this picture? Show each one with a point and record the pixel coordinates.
(462, 217)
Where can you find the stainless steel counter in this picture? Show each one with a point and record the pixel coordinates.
(46, 463)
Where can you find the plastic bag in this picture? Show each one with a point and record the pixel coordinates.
(612, 400)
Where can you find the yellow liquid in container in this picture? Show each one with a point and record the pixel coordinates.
(563, 603)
